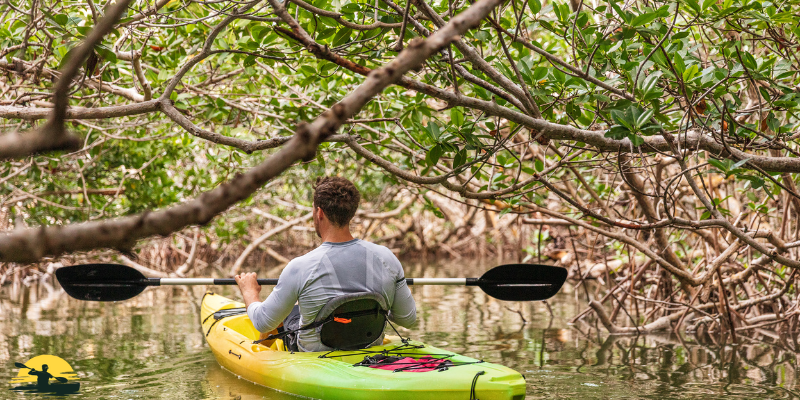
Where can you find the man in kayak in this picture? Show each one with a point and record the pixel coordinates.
(340, 265)
(42, 377)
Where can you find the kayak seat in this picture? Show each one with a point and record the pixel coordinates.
(348, 322)
(354, 321)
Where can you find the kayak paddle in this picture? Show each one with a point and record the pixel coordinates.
(114, 282)
(58, 378)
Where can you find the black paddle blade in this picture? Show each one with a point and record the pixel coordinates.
(523, 282)
(20, 365)
(101, 282)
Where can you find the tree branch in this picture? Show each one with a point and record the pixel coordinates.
(34, 113)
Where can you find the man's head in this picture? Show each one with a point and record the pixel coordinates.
(44, 367)
(337, 199)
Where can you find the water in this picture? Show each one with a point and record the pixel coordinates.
(151, 347)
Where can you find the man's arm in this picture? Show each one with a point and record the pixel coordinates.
(270, 313)
(404, 310)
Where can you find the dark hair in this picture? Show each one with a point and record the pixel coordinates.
(338, 198)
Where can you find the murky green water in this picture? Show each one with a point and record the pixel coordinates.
(151, 347)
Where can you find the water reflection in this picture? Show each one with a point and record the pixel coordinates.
(152, 347)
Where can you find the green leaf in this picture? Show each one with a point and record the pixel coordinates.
(573, 110)
(539, 165)
(61, 19)
(622, 119)
(267, 36)
(754, 182)
(749, 61)
(615, 47)
(619, 11)
(325, 33)
(257, 31)
(342, 37)
(350, 8)
(786, 17)
(557, 11)
(649, 83)
(483, 36)
(707, 3)
(434, 130)
(650, 129)
(677, 61)
(718, 164)
(636, 140)
(66, 57)
(644, 19)
(559, 76)
(680, 35)
(307, 71)
(535, 6)
(690, 72)
(456, 116)
(433, 155)
(644, 118)
(617, 132)
(695, 6)
(548, 26)
(106, 53)
(460, 159)
(539, 73)
(525, 70)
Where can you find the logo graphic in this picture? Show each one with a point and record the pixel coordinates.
(45, 374)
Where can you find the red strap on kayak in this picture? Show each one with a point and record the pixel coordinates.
(343, 320)
(408, 364)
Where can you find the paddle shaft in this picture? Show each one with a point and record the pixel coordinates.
(267, 282)
(230, 281)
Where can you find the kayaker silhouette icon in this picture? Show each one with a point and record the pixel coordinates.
(45, 374)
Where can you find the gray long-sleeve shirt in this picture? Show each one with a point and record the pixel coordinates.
(329, 271)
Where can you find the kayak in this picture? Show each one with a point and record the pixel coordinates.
(335, 375)
(58, 388)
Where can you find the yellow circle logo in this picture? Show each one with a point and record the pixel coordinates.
(45, 374)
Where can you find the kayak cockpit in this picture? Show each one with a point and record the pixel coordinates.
(242, 325)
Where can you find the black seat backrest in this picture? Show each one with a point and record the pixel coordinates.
(358, 321)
